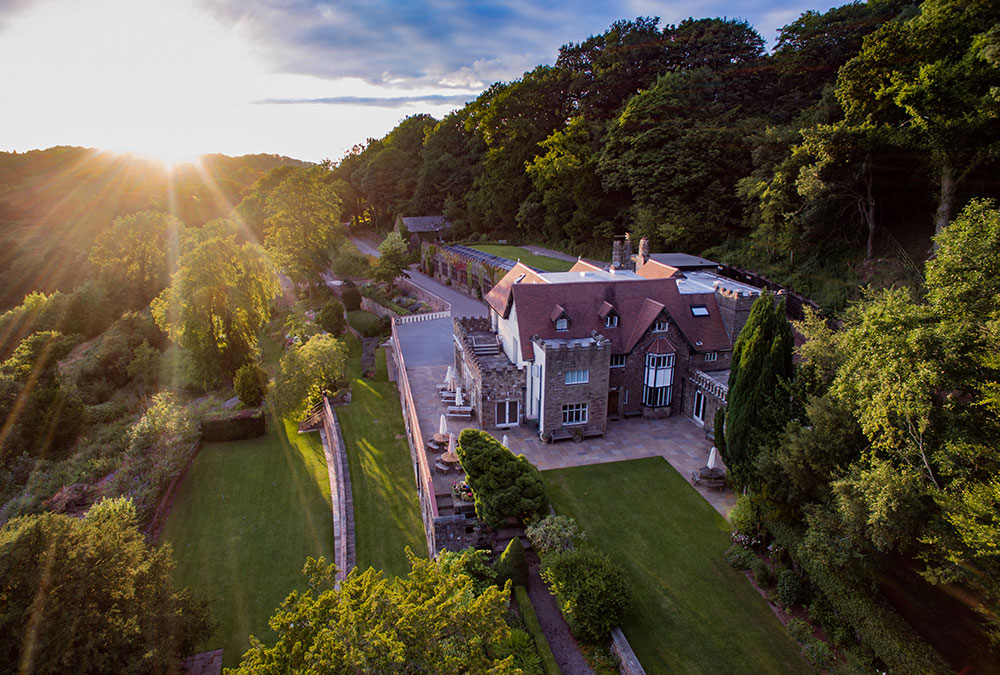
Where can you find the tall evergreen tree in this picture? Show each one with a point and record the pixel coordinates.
(757, 407)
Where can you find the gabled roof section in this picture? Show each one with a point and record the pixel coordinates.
(426, 223)
(638, 302)
(582, 265)
(557, 313)
(661, 345)
(654, 269)
(650, 312)
(606, 308)
(499, 298)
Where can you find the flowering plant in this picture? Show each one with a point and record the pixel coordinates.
(461, 490)
(746, 540)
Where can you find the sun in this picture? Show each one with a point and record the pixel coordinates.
(156, 78)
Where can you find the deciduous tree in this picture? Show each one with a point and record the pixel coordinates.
(305, 373)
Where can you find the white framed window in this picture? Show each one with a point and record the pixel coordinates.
(574, 413)
(711, 356)
(577, 376)
(661, 326)
(507, 413)
(617, 360)
(611, 320)
(658, 380)
(699, 310)
(699, 406)
(625, 396)
(562, 323)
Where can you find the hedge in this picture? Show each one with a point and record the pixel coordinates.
(238, 426)
(512, 564)
(878, 626)
(534, 628)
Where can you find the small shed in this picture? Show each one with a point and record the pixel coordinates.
(423, 228)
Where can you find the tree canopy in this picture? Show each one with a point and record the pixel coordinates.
(307, 372)
(89, 595)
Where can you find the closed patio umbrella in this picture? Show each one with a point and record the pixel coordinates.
(447, 376)
(504, 441)
(443, 426)
(458, 395)
(713, 458)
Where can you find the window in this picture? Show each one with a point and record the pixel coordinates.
(577, 376)
(574, 413)
(625, 396)
(711, 356)
(660, 326)
(562, 324)
(507, 413)
(699, 406)
(658, 380)
(617, 360)
(699, 310)
(611, 321)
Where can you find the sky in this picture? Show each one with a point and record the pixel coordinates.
(309, 79)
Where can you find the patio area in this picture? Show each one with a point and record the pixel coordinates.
(677, 439)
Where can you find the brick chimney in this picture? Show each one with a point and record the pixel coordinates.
(616, 255)
(627, 253)
(644, 249)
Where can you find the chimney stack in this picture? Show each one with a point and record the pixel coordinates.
(616, 255)
(644, 249)
(627, 252)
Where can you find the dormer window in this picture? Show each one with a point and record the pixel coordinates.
(608, 313)
(562, 323)
(660, 326)
(560, 318)
(611, 321)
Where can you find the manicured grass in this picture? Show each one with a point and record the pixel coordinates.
(386, 508)
(247, 516)
(542, 262)
(691, 612)
(363, 321)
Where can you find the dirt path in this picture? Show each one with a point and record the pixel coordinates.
(562, 643)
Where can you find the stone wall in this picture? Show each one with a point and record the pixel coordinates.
(489, 384)
(734, 307)
(378, 310)
(628, 662)
(594, 357)
(436, 303)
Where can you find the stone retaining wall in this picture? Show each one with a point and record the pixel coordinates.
(628, 662)
(340, 491)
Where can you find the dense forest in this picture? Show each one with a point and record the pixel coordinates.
(856, 138)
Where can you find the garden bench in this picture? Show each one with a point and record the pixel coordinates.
(441, 467)
(460, 411)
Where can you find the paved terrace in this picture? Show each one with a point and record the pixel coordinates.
(428, 351)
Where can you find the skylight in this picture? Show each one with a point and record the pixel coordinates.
(699, 310)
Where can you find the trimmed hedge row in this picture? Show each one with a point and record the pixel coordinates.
(534, 628)
(878, 626)
(237, 426)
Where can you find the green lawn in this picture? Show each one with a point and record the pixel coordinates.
(386, 508)
(363, 321)
(691, 612)
(246, 518)
(542, 262)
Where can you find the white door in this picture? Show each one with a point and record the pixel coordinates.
(699, 406)
(507, 413)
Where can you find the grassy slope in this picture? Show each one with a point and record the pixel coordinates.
(386, 508)
(544, 263)
(691, 612)
(248, 515)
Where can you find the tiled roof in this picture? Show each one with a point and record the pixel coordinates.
(582, 265)
(637, 302)
(426, 223)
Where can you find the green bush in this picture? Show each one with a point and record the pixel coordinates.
(331, 317)
(819, 654)
(534, 628)
(554, 533)
(519, 644)
(250, 384)
(504, 485)
(512, 564)
(823, 613)
(590, 590)
(762, 573)
(237, 426)
(747, 516)
(738, 557)
(351, 297)
(789, 588)
(368, 324)
(800, 631)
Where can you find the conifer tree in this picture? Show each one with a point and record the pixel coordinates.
(757, 407)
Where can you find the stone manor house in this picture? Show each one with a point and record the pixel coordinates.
(569, 352)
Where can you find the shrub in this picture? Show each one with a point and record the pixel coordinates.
(351, 297)
(534, 628)
(368, 324)
(250, 383)
(590, 589)
(789, 588)
(519, 644)
(331, 317)
(800, 631)
(554, 533)
(746, 516)
(738, 557)
(504, 484)
(472, 563)
(762, 573)
(819, 654)
(237, 426)
(512, 564)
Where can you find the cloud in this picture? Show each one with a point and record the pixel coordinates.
(378, 101)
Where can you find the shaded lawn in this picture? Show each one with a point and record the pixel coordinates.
(363, 321)
(542, 262)
(386, 509)
(247, 516)
(691, 612)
